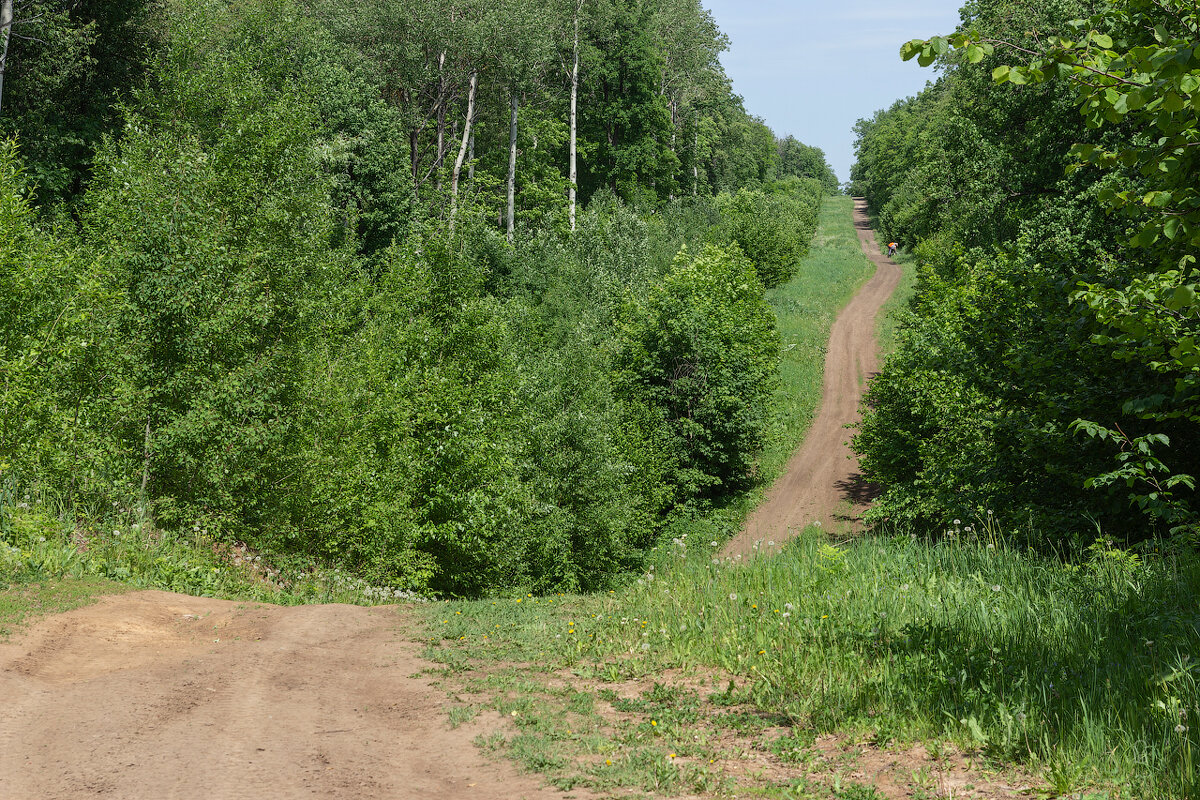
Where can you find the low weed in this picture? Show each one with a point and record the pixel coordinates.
(37, 544)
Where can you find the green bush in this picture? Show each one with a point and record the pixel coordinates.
(702, 352)
(773, 230)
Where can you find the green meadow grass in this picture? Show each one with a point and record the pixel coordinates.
(1080, 673)
(893, 310)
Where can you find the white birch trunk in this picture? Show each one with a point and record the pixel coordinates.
(573, 174)
(512, 166)
(440, 157)
(462, 149)
(6, 22)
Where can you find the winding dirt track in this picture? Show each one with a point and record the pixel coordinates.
(152, 695)
(822, 483)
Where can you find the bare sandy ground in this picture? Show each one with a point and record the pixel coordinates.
(822, 483)
(151, 695)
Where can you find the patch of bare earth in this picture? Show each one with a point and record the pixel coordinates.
(750, 755)
(156, 695)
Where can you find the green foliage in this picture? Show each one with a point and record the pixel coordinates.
(67, 66)
(996, 176)
(969, 641)
(254, 321)
(702, 351)
(772, 230)
(799, 160)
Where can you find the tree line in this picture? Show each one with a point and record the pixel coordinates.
(1046, 185)
(466, 297)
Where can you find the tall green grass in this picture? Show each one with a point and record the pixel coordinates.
(1083, 671)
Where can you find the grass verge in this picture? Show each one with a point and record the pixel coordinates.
(790, 675)
(891, 315)
(22, 604)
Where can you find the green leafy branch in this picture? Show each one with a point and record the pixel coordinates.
(1138, 466)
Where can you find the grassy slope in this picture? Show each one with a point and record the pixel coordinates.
(1082, 673)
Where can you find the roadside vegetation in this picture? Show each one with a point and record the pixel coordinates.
(783, 676)
(375, 296)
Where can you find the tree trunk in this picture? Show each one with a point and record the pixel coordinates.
(696, 158)
(573, 175)
(512, 165)
(143, 496)
(440, 157)
(6, 22)
(462, 149)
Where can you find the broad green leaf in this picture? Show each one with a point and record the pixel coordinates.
(910, 49)
(1102, 40)
(1182, 297)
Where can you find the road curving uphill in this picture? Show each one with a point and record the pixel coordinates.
(821, 483)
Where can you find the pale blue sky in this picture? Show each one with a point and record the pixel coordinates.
(811, 68)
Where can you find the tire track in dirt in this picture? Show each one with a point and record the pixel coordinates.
(156, 695)
(821, 482)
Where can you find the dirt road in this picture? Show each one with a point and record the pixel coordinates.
(151, 695)
(822, 483)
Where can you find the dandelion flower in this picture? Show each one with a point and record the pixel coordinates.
(995, 587)
(732, 596)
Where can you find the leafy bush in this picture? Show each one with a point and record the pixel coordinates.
(702, 352)
(773, 230)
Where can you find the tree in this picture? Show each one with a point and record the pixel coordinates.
(702, 351)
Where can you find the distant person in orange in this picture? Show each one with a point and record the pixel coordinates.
(892, 249)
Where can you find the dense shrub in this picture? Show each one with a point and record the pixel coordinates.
(702, 351)
(773, 230)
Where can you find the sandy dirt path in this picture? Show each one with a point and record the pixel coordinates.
(822, 483)
(151, 695)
